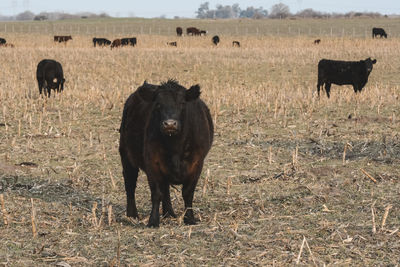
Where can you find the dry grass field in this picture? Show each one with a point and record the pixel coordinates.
(290, 178)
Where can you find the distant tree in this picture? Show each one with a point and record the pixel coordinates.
(203, 10)
(227, 12)
(279, 11)
(310, 13)
(252, 12)
(27, 15)
(40, 17)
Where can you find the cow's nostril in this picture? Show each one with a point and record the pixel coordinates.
(170, 124)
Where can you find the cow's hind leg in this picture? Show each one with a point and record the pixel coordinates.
(319, 87)
(328, 89)
(40, 84)
(188, 193)
(156, 197)
(166, 202)
(130, 174)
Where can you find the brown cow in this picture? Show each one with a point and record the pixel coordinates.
(317, 41)
(166, 131)
(116, 43)
(193, 31)
(62, 38)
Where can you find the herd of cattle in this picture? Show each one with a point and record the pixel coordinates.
(167, 130)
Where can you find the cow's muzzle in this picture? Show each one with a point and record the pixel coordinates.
(170, 127)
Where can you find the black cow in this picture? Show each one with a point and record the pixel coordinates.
(50, 75)
(101, 42)
(378, 31)
(179, 31)
(62, 38)
(317, 41)
(128, 41)
(344, 72)
(215, 39)
(172, 44)
(203, 33)
(3, 41)
(236, 43)
(166, 131)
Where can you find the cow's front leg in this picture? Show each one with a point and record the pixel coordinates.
(166, 202)
(156, 197)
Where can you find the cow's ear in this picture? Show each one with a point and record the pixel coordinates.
(147, 92)
(374, 61)
(193, 93)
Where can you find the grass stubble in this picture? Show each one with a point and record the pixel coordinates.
(289, 179)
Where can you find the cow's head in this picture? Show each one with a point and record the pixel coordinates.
(169, 101)
(369, 64)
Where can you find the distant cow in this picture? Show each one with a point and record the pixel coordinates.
(215, 39)
(62, 38)
(128, 41)
(317, 41)
(378, 31)
(2, 41)
(101, 42)
(179, 31)
(203, 33)
(236, 43)
(192, 31)
(116, 43)
(172, 44)
(344, 72)
(166, 131)
(50, 75)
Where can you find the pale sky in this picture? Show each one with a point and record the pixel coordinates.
(187, 8)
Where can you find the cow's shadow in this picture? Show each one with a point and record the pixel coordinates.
(64, 193)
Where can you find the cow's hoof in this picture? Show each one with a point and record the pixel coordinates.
(189, 221)
(170, 213)
(153, 225)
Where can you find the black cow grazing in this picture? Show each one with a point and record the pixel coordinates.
(128, 41)
(101, 42)
(344, 72)
(50, 75)
(166, 131)
(3, 41)
(193, 31)
(215, 39)
(236, 43)
(172, 44)
(317, 41)
(179, 31)
(378, 31)
(62, 38)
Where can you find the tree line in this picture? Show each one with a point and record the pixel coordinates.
(28, 15)
(277, 11)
